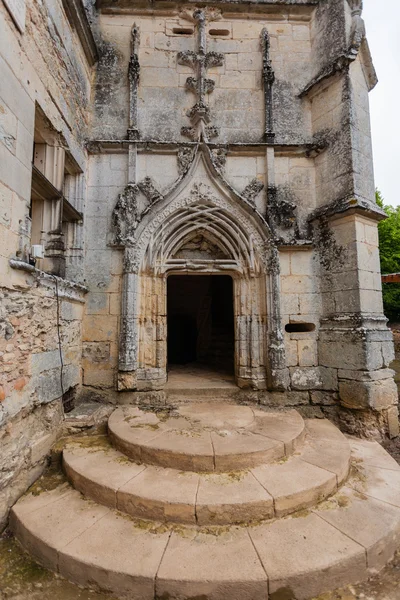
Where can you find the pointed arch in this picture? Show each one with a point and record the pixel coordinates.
(201, 204)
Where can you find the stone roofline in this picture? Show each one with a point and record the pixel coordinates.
(76, 15)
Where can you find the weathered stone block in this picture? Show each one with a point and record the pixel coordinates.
(377, 395)
(324, 398)
(42, 446)
(307, 350)
(393, 421)
(100, 328)
(305, 378)
(329, 378)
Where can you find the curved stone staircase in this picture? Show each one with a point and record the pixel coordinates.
(216, 501)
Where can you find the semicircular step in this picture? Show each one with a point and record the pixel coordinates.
(274, 490)
(207, 436)
(343, 541)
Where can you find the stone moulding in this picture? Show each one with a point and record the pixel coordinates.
(347, 205)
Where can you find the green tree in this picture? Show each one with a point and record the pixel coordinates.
(389, 244)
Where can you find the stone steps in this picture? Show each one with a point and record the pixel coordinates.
(264, 492)
(197, 438)
(343, 540)
(152, 532)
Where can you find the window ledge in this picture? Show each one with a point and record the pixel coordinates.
(66, 289)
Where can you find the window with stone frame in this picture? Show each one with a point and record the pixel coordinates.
(53, 216)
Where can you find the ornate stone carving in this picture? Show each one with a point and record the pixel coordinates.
(268, 78)
(133, 75)
(185, 158)
(357, 30)
(131, 259)
(149, 190)
(252, 190)
(126, 216)
(200, 62)
(202, 206)
(281, 208)
(218, 158)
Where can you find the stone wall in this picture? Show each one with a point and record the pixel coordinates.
(40, 361)
(46, 71)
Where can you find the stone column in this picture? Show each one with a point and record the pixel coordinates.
(277, 370)
(128, 345)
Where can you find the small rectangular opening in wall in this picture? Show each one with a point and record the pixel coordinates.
(68, 399)
(219, 32)
(182, 31)
(299, 327)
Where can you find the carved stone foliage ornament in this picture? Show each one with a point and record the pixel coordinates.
(200, 61)
(252, 190)
(126, 215)
(186, 155)
(268, 78)
(218, 158)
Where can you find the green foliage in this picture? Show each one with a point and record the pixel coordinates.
(389, 243)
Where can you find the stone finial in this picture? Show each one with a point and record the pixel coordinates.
(133, 76)
(268, 78)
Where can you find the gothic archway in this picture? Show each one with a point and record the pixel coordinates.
(236, 245)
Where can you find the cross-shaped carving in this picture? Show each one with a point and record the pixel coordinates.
(200, 62)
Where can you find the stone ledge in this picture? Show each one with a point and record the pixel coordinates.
(67, 290)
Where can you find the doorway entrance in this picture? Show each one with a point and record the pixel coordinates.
(200, 322)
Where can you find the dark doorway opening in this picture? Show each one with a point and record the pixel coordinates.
(200, 321)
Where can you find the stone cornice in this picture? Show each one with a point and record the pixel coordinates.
(77, 17)
(310, 149)
(348, 206)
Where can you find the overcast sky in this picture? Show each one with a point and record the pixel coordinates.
(382, 19)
